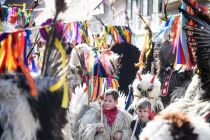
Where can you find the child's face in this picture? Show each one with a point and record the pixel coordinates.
(109, 102)
(143, 114)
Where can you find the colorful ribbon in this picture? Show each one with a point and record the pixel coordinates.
(62, 80)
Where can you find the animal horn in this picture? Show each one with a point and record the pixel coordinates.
(139, 76)
(152, 80)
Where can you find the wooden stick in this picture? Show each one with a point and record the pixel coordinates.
(102, 114)
(134, 129)
(102, 117)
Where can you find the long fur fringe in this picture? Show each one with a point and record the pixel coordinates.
(16, 118)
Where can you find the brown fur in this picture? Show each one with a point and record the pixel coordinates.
(181, 125)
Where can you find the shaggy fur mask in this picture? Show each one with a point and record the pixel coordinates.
(146, 86)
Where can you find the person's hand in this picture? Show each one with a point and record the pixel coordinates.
(117, 135)
(100, 127)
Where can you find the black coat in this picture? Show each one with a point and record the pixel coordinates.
(139, 128)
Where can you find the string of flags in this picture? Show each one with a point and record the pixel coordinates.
(12, 56)
(16, 44)
(96, 86)
(173, 32)
(15, 16)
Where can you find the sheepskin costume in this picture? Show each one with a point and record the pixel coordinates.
(199, 106)
(41, 117)
(174, 83)
(194, 88)
(130, 55)
(176, 126)
(147, 86)
(23, 117)
(17, 120)
(91, 119)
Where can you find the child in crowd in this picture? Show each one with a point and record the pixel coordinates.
(143, 110)
(115, 122)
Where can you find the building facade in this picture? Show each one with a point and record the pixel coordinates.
(124, 12)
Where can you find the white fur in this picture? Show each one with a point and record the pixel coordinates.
(74, 79)
(194, 108)
(78, 99)
(159, 129)
(156, 130)
(77, 50)
(152, 95)
(194, 88)
(121, 101)
(201, 128)
(145, 84)
(15, 115)
(77, 106)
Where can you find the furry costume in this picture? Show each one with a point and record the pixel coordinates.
(130, 55)
(89, 123)
(148, 87)
(41, 117)
(24, 117)
(194, 88)
(176, 126)
(201, 105)
(81, 60)
(173, 82)
(17, 120)
(77, 108)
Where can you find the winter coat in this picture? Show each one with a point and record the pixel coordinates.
(89, 123)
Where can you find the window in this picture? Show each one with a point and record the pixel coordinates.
(160, 6)
(140, 6)
(149, 7)
(128, 8)
(133, 6)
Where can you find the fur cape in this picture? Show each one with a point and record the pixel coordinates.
(201, 105)
(16, 118)
(24, 117)
(91, 119)
(176, 126)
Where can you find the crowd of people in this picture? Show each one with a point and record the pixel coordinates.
(105, 121)
(102, 91)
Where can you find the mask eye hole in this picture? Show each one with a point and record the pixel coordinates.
(150, 88)
(139, 87)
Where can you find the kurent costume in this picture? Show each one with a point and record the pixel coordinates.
(176, 126)
(196, 101)
(114, 120)
(33, 108)
(147, 86)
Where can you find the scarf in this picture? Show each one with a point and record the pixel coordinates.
(151, 115)
(111, 115)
